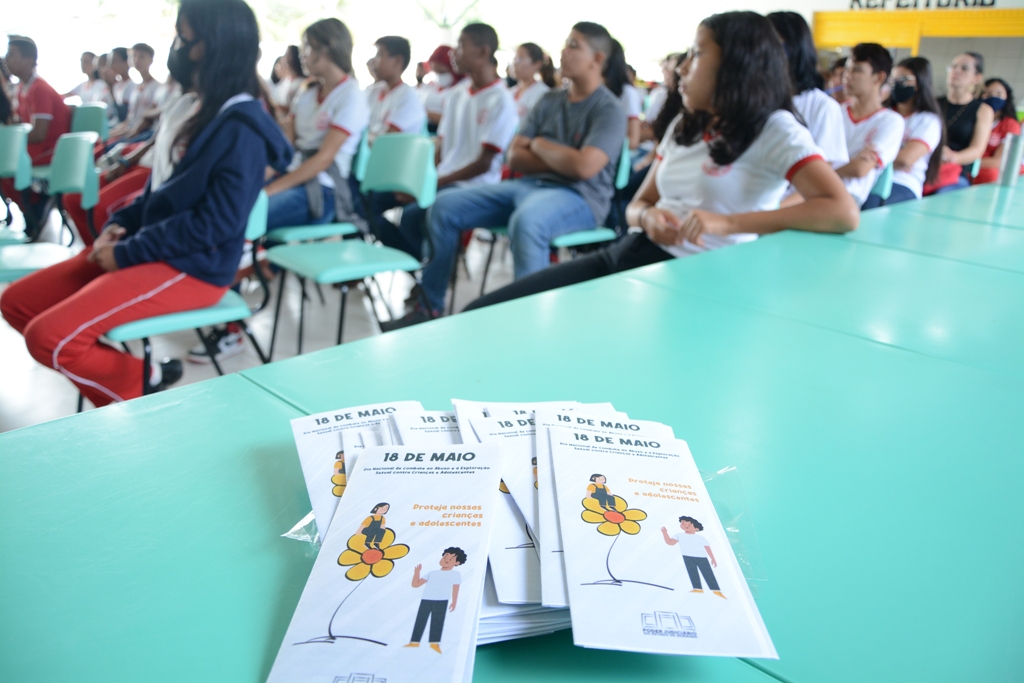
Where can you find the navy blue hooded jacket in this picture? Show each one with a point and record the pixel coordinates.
(196, 220)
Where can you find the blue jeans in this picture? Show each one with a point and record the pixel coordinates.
(534, 211)
(899, 194)
(291, 208)
(960, 184)
(407, 235)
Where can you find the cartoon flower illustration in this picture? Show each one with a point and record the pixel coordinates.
(611, 522)
(339, 478)
(363, 561)
(503, 488)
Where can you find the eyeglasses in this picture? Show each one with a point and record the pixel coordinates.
(960, 67)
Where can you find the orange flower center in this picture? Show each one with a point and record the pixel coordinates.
(614, 517)
(372, 556)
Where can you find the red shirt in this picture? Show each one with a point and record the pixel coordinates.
(1004, 126)
(38, 100)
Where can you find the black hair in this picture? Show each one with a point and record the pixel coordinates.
(121, 53)
(747, 90)
(673, 101)
(274, 78)
(291, 56)
(615, 75)
(979, 60)
(142, 47)
(231, 37)
(547, 69)
(1009, 110)
(483, 35)
(800, 50)
(459, 553)
(696, 525)
(396, 46)
(599, 40)
(333, 38)
(378, 506)
(26, 47)
(593, 477)
(875, 55)
(838, 64)
(924, 100)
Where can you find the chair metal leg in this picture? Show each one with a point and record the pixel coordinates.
(454, 278)
(147, 359)
(210, 349)
(383, 299)
(487, 265)
(252, 338)
(277, 313)
(323, 301)
(302, 310)
(341, 315)
(373, 305)
(81, 402)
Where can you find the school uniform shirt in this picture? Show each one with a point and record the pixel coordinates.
(656, 103)
(440, 583)
(92, 91)
(395, 110)
(926, 128)
(824, 118)
(883, 131)
(687, 178)
(631, 101)
(344, 109)
(123, 90)
(526, 99)
(143, 98)
(473, 119)
(1000, 129)
(692, 545)
(435, 96)
(164, 155)
(38, 101)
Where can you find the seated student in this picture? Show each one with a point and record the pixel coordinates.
(123, 86)
(436, 93)
(821, 113)
(723, 165)
(290, 75)
(968, 121)
(654, 129)
(107, 76)
(660, 94)
(478, 123)
(178, 246)
(326, 122)
(921, 153)
(144, 96)
(873, 133)
(998, 95)
(95, 88)
(38, 104)
(535, 75)
(566, 151)
(616, 77)
(836, 79)
(395, 107)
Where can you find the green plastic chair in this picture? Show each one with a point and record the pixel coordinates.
(230, 309)
(400, 162)
(15, 164)
(91, 118)
(883, 185)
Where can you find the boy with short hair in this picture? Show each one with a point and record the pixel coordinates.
(874, 133)
(123, 86)
(441, 584)
(696, 552)
(94, 89)
(395, 107)
(145, 96)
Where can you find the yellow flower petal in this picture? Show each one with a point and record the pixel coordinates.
(358, 572)
(620, 504)
(389, 538)
(629, 527)
(349, 557)
(608, 529)
(502, 487)
(339, 479)
(396, 551)
(592, 517)
(338, 491)
(382, 568)
(357, 542)
(592, 504)
(635, 515)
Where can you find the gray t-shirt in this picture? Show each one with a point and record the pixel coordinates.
(598, 121)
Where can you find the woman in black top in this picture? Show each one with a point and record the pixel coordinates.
(968, 119)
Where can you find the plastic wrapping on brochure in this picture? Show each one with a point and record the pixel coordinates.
(305, 530)
(726, 490)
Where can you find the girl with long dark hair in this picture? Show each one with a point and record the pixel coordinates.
(178, 246)
(535, 75)
(968, 120)
(998, 95)
(616, 78)
(724, 164)
(923, 136)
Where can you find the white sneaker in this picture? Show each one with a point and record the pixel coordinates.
(228, 344)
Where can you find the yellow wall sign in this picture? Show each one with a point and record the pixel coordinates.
(906, 28)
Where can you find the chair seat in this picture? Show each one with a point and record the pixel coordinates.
(230, 308)
(330, 262)
(302, 233)
(19, 260)
(8, 236)
(582, 237)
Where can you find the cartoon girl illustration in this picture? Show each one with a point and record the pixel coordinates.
(534, 460)
(374, 525)
(600, 492)
(339, 479)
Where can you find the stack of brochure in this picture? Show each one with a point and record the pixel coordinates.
(444, 530)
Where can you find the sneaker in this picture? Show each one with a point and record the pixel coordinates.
(226, 342)
(408, 320)
(165, 374)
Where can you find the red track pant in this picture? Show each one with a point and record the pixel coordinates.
(112, 197)
(63, 310)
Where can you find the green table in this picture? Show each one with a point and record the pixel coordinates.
(958, 311)
(950, 238)
(988, 204)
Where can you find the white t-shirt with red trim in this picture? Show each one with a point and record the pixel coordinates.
(395, 110)
(344, 109)
(435, 95)
(473, 119)
(687, 178)
(824, 118)
(526, 99)
(631, 101)
(926, 128)
(883, 131)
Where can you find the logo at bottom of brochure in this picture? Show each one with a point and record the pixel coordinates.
(360, 678)
(667, 624)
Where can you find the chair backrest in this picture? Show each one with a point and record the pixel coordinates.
(73, 169)
(257, 225)
(91, 118)
(883, 184)
(362, 156)
(14, 159)
(623, 169)
(403, 162)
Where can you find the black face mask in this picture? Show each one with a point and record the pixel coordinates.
(902, 92)
(181, 68)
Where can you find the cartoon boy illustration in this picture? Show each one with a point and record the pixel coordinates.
(442, 584)
(339, 479)
(600, 492)
(696, 550)
(375, 525)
